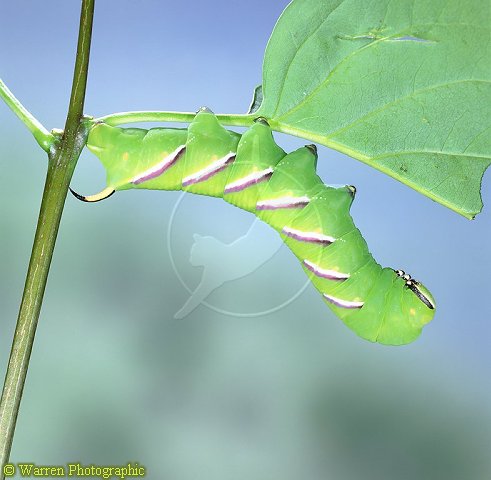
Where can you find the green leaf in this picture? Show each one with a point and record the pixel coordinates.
(402, 85)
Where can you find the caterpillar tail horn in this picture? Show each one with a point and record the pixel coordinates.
(106, 193)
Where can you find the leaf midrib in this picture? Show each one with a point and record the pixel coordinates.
(406, 31)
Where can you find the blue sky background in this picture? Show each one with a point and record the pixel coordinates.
(114, 377)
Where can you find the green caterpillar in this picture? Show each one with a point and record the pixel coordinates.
(252, 172)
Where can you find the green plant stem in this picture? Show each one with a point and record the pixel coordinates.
(62, 162)
(44, 138)
(179, 117)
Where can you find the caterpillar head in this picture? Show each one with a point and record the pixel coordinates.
(418, 289)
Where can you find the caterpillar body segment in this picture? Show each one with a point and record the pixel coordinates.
(257, 157)
(210, 150)
(252, 172)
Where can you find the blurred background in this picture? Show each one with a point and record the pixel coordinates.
(225, 392)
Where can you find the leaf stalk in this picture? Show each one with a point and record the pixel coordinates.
(122, 118)
(44, 138)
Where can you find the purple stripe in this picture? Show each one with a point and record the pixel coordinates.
(323, 273)
(273, 207)
(248, 184)
(161, 170)
(279, 207)
(199, 179)
(306, 238)
(338, 302)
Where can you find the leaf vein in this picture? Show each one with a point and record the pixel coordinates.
(406, 31)
(432, 152)
(397, 100)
